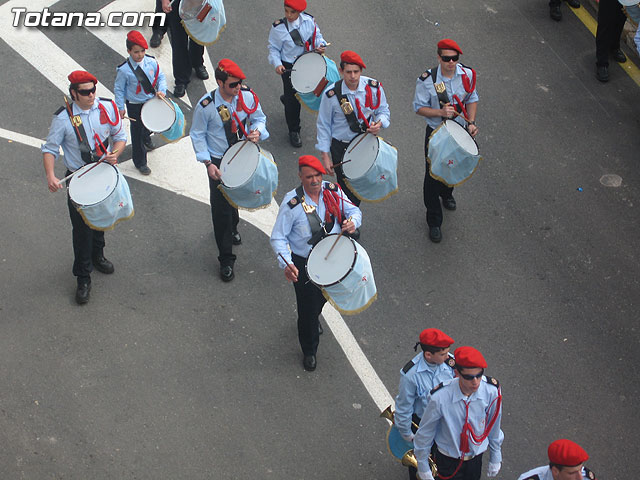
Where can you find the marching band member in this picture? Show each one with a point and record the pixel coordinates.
(307, 214)
(566, 462)
(349, 107)
(289, 38)
(222, 118)
(462, 418)
(432, 366)
(138, 79)
(86, 130)
(460, 97)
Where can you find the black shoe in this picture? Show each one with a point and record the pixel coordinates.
(555, 13)
(156, 38)
(144, 170)
(435, 235)
(282, 99)
(309, 363)
(320, 330)
(179, 90)
(574, 3)
(226, 273)
(602, 73)
(236, 238)
(103, 265)
(618, 55)
(82, 292)
(449, 203)
(294, 139)
(201, 72)
(148, 144)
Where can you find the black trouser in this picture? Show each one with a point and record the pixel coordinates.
(225, 220)
(337, 154)
(310, 301)
(157, 28)
(433, 189)
(291, 103)
(611, 20)
(139, 134)
(469, 470)
(87, 243)
(185, 53)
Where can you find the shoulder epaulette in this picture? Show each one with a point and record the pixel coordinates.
(493, 381)
(330, 93)
(465, 66)
(436, 388)
(206, 100)
(332, 186)
(150, 56)
(408, 366)
(373, 83)
(451, 361)
(307, 13)
(123, 63)
(590, 475)
(244, 87)
(278, 22)
(105, 99)
(57, 112)
(424, 76)
(533, 477)
(293, 202)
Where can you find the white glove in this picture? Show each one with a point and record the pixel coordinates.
(425, 475)
(409, 438)
(493, 469)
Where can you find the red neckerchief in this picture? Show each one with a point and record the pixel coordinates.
(104, 116)
(368, 101)
(332, 205)
(240, 105)
(155, 80)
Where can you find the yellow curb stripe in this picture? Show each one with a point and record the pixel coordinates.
(632, 70)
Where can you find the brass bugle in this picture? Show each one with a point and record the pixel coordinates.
(409, 460)
(390, 415)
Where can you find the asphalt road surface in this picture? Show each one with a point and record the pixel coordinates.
(170, 373)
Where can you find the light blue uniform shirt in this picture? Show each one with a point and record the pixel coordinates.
(414, 387)
(332, 122)
(292, 226)
(127, 82)
(426, 95)
(281, 46)
(207, 132)
(444, 418)
(62, 133)
(544, 473)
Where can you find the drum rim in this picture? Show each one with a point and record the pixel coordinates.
(378, 139)
(115, 187)
(473, 139)
(326, 68)
(181, 10)
(254, 171)
(355, 258)
(175, 114)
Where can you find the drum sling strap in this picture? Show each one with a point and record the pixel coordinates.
(318, 230)
(295, 34)
(225, 117)
(347, 108)
(142, 78)
(81, 135)
(441, 90)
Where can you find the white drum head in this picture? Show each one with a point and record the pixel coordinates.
(237, 166)
(361, 157)
(308, 70)
(461, 136)
(157, 115)
(337, 266)
(628, 3)
(94, 186)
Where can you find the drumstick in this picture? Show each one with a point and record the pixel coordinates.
(97, 163)
(73, 173)
(129, 118)
(284, 260)
(334, 243)
(358, 142)
(341, 163)
(235, 154)
(167, 102)
(461, 115)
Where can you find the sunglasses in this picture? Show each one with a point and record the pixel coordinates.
(87, 92)
(472, 377)
(234, 84)
(447, 58)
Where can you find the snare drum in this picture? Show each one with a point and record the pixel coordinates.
(372, 169)
(101, 196)
(310, 74)
(345, 277)
(203, 20)
(163, 117)
(249, 176)
(453, 154)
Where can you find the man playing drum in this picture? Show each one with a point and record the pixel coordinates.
(566, 462)
(289, 38)
(349, 107)
(307, 214)
(418, 377)
(458, 100)
(223, 117)
(138, 79)
(86, 130)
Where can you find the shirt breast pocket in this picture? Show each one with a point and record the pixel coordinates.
(302, 228)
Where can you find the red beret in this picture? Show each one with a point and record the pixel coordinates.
(469, 357)
(349, 56)
(313, 162)
(435, 338)
(297, 5)
(231, 68)
(80, 76)
(566, 453)
(449, 44)
(136, 37)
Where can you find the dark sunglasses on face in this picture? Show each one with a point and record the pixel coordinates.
(472, 377)
(447, 58)
(87, 92)
(234, 84)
